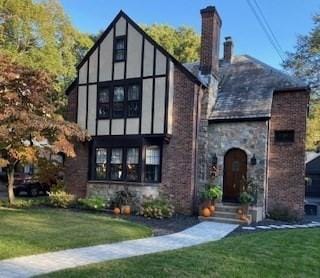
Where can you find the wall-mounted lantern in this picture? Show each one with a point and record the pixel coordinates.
(214, 160)
(253, 160)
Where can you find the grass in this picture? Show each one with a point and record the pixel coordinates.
(33, 231)
(292, 253)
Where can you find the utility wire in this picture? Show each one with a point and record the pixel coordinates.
(268, 26)
(271, 40)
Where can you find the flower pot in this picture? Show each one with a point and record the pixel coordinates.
(245, 209)
(126, 210)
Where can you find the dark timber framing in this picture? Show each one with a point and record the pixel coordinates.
(153, 87)
(152, 41)
(87, 96)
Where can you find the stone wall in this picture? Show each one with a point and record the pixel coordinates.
(252, 138)
(108, 190)
(286, 185)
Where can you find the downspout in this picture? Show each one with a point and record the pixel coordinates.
(195, 187)
(267, 169)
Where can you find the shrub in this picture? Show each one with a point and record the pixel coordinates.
(61, 199)
(95, 203)
(122, 198)
(156, 208)
(282, 213)
(59, 186)
(246, 198)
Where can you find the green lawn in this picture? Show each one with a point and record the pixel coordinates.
(32, 231)
(292, 253)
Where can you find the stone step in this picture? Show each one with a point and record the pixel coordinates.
(226, 214)
(224, 220)
(227, 208)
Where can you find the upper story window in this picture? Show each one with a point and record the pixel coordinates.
(103, 103)
(133, 101)
(119, 101)
(284, 136)
(120, 49)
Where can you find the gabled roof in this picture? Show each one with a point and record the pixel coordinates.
(246, 88)
(144, 34)
(310, 156)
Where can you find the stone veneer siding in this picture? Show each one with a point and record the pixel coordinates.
(286, 186)
(178, 161)
(250, 137)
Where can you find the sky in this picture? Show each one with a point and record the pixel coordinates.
(287, 19)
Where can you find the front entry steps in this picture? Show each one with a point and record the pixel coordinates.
(227, 213)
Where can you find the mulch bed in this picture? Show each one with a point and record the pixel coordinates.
(165, 226)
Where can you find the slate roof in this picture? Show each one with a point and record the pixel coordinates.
(246, 88)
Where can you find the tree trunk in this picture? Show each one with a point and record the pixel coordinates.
(10, 174)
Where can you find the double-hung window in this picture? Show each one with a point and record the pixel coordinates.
(132, 164)
(101, 163)
(116, 164)
(152, 165)
(120, 49)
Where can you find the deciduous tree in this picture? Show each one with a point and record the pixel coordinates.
(29, 123)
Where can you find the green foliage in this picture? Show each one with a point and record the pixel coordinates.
(59, 186)
(94, 203)
(25, 203)
(61, 199)
(313, 127)
(304, 62)
(40, 35)
(156, 208)
(246, 198)
(281, 212)
(122, 198)
(182, 42)
(211, 192)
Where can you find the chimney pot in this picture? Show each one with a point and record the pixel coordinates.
(228, 49)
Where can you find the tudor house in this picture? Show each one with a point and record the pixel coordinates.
(160, 126)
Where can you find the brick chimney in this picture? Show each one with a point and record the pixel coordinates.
(210, 39)
(228, 49)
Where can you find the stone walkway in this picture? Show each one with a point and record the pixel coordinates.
(313, 224)
(48, 262)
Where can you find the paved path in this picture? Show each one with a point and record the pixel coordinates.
(48, 262)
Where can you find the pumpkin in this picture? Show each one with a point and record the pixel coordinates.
(206, 212)
(116, 211)
(240, 211)
(243, 217)
(126, 210)
(212, 210)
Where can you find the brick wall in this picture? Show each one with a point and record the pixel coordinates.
(76, 169)
(286, 169)
(210, 38)
(178, 166)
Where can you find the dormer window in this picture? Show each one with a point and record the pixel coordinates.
(120, 49)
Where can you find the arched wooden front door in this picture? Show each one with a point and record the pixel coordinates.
(235, 169)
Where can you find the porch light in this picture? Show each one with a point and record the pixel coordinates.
(253, 160)
(214, 159)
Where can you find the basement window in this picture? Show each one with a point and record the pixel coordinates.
(284, 136)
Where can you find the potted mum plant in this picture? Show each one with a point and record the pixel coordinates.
(123, 200)
(208, 197)
(247, 197)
